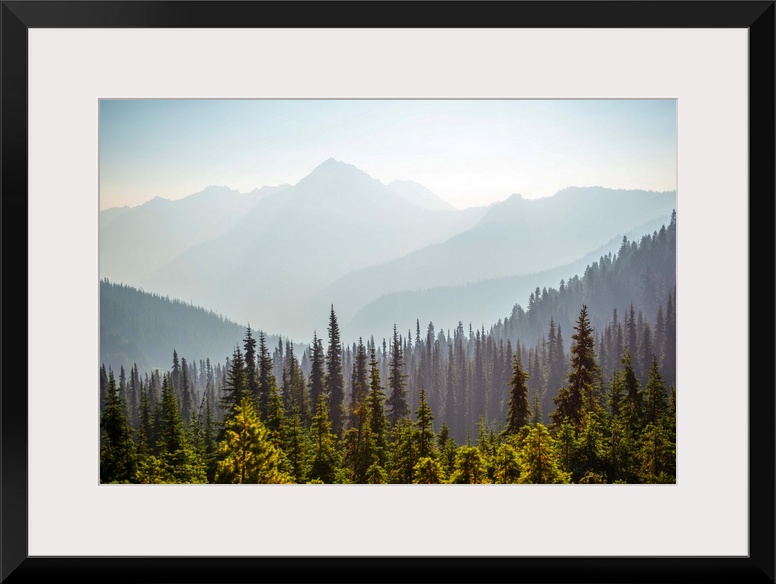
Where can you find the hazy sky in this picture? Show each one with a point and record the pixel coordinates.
(469, 152)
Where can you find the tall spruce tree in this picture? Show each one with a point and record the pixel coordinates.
(359, 382)
(578, 395)
(424, 426)
(518, 412)
(398, 408)
(117, 454)
(294, 394)
(375, 400)
(655, 397)
(266, 376)
(236, 385)
(251, 372)
(317, 372)
(325, 461)
(334, 383)
(246, 452)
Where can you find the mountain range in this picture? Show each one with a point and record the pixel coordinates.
(279, 257)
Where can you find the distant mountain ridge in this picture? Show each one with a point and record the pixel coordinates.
(479, 303)
(138, 240)
(281, 256)
(273, 258)
(517, 236)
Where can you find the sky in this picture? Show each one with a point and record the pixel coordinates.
(468, 152)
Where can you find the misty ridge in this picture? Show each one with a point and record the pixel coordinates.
(279, 257)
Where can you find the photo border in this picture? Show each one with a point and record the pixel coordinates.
(18, 16)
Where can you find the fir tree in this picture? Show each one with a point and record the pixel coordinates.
(251, 373)
(506, 464)
(428, 471)
(297, 447)
(266, 377)
(632, 405)
(398, 408)
(294, 394)
(425, 429)
(469, 467)
(325, 462)
(246, 453)
(538, 460)
(578, 395)
(375, 400)
(117, 454)
(334, 382)
(517, 413)
(236, 386)
(359, 382)
(655, 398)
(316, 371)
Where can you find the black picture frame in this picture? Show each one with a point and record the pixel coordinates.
(19, 16)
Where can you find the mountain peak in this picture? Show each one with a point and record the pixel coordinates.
(332, 164)
(331, 171)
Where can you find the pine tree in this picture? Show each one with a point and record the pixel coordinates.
(297, 447)
(134, 395)
(176, 375)
(117, 453)
(447, 449)
(538, 459)
(656, 455)
(294, 394)
(236, 386)
(578, 395)
(145, 437)
(246, 453)
(469, 467)
(316, 372)
(177, 462)
(359, 382)
(171, 435)
(266, 377)
(398, 408)
(209, 442)
(360, 450)
(103, 388)
(375, 400)
(428, 471)
(506, 464)
(555, 361)
(251, 373)
(186, 397)
(334, 383)
(668, 369)
(655, 397)
(425, 429)
(632, 407)
(325, 462)
(403, 453)
(517, 413)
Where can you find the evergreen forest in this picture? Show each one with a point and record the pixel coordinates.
(577, 387)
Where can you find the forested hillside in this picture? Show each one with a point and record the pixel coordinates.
(579, 386)
(140, 328)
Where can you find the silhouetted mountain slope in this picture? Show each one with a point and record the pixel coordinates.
(478, 303)
(136, 241)
(138, 327)
(294, 242)
(514, 237)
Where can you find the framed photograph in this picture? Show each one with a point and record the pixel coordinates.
(108, 104)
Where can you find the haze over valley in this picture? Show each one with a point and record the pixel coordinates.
(279, 257)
